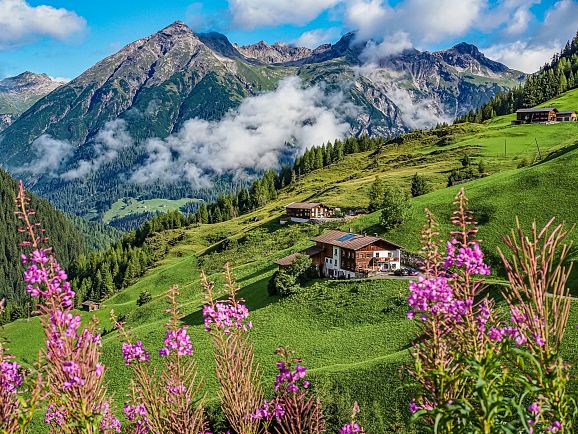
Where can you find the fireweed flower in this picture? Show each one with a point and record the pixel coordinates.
(10, 377)
(290, 378)
(132, 352)
(226, 316)
(138, 415)
(554, 427)
(73, 357)
(435, 297)
(179, 341)
(470, 257)
(46, 279)
(351, 428)
(270, 410)
(72, 372)
(534, 408)
(55, 415)
(108, 422)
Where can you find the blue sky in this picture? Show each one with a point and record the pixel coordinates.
(64, 37)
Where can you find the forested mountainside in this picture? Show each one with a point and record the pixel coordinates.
(66, 238)
(19, 93)
(553, 79)
(103, 120)
(71, 236)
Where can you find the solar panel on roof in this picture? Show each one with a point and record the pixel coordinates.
(346, 237)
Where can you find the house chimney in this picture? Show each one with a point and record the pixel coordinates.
(365, 233)
(375, 235)
(350, 230)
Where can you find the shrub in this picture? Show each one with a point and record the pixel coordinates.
(144, 297)
(288, 280)
(394, 208)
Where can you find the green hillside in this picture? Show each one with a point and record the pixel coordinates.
(352, 334)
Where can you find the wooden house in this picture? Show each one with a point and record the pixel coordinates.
(90, 306)
(535, 115)
(567, 116)
(302, 212)
(348, 255)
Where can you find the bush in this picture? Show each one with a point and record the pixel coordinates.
(143, 298)
(394, 208)
(523, 163)
(287, 281)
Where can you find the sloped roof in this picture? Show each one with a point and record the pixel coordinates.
(288, 260)
(536, 110)
(348, 240)
(566, 112)
(304, 205)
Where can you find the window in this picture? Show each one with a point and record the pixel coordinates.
(377, 254)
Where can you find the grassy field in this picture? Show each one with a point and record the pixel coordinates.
(129, 206)
(353, 335)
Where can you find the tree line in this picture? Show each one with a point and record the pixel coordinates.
(98, 275)
(264, 189)
(553, 79)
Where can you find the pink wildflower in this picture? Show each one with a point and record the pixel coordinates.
(178, 341)
(132, 352)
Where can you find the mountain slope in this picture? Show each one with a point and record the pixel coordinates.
(154, 85)
(68, 241)
(19, 93)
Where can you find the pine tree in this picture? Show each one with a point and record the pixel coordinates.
(419, 185)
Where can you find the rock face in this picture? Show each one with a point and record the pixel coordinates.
(157, 83)
(18, 94)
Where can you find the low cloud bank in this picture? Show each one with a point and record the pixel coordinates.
(108, 142)
(255, 136)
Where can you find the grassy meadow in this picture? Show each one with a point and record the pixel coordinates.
(129, 206)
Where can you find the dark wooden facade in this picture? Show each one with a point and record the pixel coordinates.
(536, 115)
(308, 211)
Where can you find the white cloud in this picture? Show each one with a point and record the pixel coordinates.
(521, 55)
(411, 22)
(544, 39)
(560, 21)
(22, 23)
(314, 38)
(109, 141)
(249, 14)
(50, 154)
(415, 110)
(519, 21)
(256, 135)
(395, 44)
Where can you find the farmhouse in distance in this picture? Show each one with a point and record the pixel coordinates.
(303, 212)
(543, 115)
(347, 255)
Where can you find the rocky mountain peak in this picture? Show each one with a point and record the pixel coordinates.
(176, 28)
(29, 82)
(465, 48)
(467, 57)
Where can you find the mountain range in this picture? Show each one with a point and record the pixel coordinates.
(81, 143)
